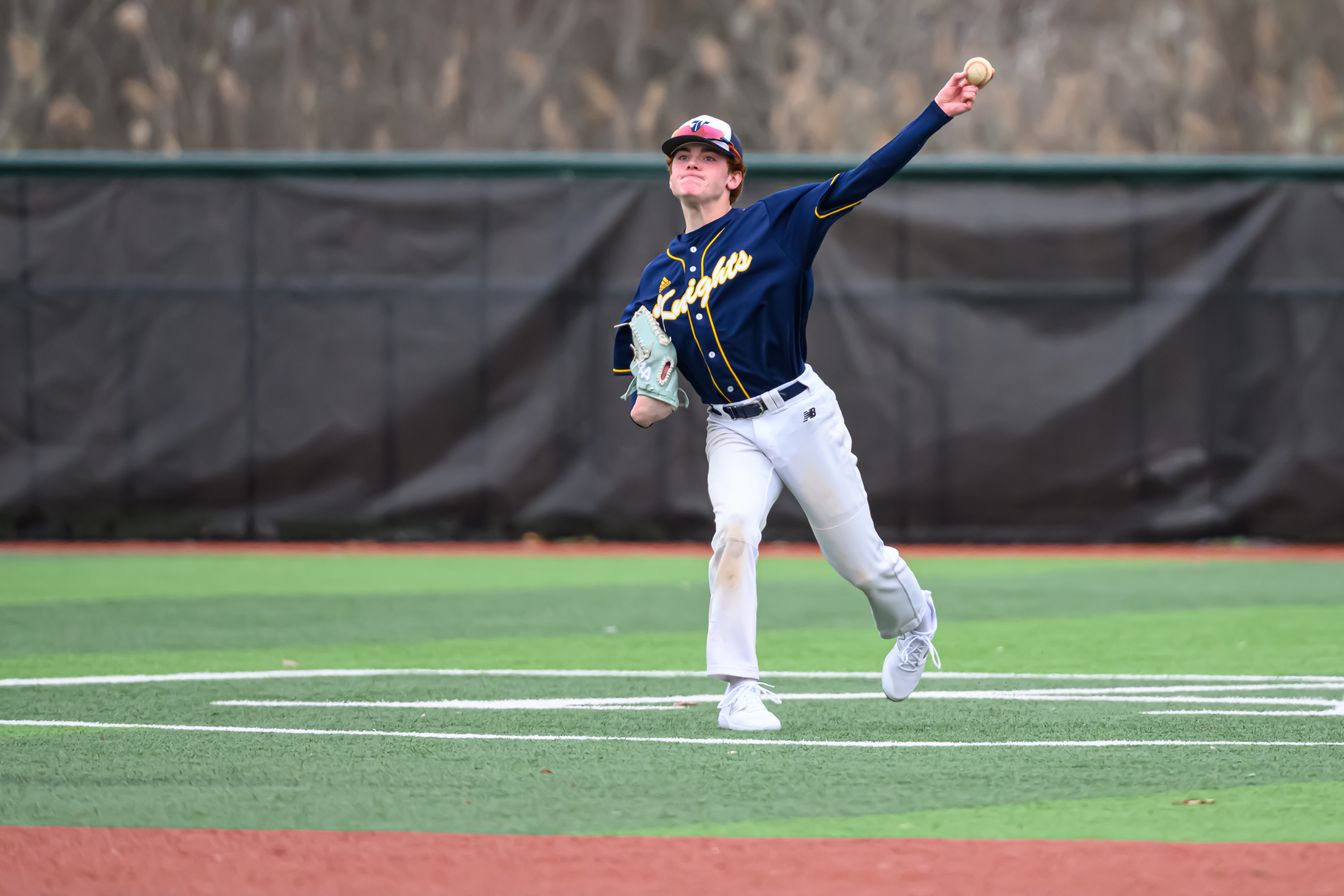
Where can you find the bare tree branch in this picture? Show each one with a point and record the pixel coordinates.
(792, 75)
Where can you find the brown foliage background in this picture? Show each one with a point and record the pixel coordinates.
(1085, 76)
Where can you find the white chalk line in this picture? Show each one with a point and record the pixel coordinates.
(1337, 710)
(1195, 688)
(268, 674)
(670, 702)
(513, 704)
(711, 741)
(1189, 684)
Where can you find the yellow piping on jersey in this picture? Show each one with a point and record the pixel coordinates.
(683, 264)
(817, 211)
(620, 370)
(717, 388)
(713, 329)
(691, 324)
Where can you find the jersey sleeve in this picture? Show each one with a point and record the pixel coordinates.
(801, 216)
(621, 353)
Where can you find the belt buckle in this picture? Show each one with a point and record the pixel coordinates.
(747, 409)
(754, 408)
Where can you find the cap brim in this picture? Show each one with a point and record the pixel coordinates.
(672, 144)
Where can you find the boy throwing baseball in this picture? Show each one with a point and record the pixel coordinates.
(724, 308)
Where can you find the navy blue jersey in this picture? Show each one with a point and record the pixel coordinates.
(734, 295)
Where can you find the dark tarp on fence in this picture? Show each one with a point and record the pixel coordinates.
(310, 354)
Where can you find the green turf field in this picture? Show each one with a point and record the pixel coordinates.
(983, 750)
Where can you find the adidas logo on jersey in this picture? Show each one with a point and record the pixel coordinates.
(664, 285)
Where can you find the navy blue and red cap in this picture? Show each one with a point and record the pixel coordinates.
(705, 129)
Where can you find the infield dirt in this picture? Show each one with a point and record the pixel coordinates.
(86, 861)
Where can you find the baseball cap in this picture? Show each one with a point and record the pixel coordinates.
(705, 129)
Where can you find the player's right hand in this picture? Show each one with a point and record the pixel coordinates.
(957, 95)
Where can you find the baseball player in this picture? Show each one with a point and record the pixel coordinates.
(725, 307)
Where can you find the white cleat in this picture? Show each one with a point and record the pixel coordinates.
(743, 707)
(904, 665)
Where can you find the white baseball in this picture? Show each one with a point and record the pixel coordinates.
(978, 71)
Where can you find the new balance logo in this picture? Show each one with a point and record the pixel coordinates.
(809, 414)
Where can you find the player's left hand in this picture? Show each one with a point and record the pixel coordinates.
(957, 95)
(648, 411)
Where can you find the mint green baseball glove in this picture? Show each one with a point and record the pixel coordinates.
(653, 369)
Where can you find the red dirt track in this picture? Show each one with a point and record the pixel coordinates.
(85, 861)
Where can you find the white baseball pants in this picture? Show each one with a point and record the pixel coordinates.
(790, 446)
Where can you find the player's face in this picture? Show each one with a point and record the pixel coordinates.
(700, 172)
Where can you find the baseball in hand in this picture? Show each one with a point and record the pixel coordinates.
(978, 71)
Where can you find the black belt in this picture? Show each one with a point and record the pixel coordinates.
(757, 406)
